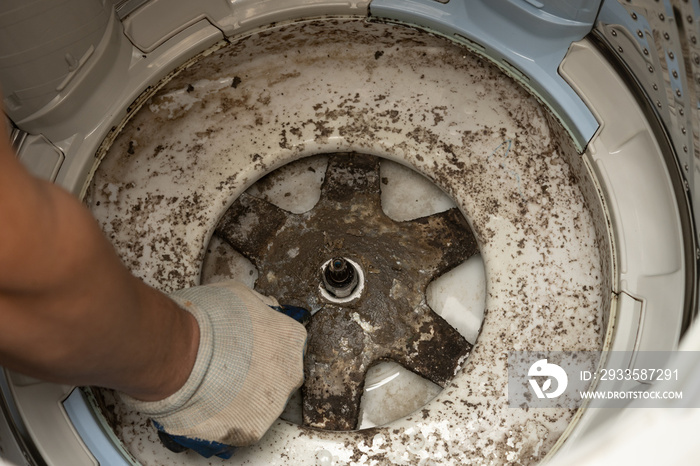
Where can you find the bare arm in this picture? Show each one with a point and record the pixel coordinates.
(70, 312)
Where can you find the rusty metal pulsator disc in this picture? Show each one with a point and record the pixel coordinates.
(390, 319)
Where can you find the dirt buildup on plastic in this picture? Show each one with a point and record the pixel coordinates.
(390, 319)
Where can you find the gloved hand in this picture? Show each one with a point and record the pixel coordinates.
(249, 362)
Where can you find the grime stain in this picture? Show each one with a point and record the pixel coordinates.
(390, 320)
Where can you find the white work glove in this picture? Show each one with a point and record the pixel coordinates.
(249, 362)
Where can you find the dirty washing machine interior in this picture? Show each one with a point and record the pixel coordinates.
(492, 176)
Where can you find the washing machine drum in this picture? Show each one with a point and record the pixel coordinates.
(460, 217)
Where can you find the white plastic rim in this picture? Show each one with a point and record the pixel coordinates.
(647, 238)
(642, 277)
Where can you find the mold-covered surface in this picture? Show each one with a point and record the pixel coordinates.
(390, 319)
(341, 86)
(390, 391)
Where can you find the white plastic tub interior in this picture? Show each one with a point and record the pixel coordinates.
(632, 236)
(244, 110)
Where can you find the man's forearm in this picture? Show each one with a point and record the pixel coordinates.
(70, 311)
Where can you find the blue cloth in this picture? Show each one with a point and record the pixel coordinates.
(179, 443)
(299, 314)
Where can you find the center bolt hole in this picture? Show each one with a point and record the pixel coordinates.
(340, 277)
